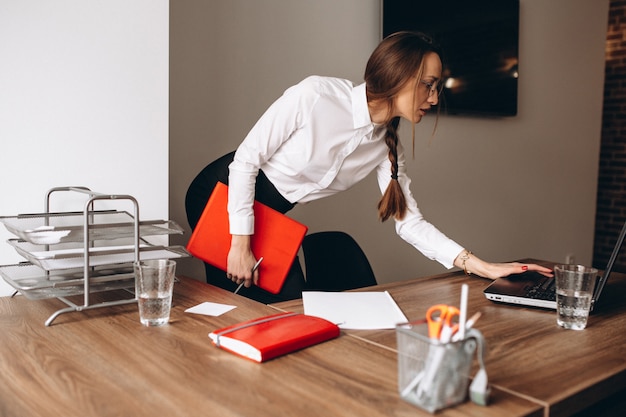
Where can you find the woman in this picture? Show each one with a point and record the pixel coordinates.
(324, 135)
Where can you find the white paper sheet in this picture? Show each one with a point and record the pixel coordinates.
(210, 309)
(354, 310)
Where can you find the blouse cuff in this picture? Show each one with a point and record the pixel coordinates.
(448, 253)
(241, 225)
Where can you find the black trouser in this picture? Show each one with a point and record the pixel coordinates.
(198, 194)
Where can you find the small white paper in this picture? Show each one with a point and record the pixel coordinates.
(354, 310)
(210, 309)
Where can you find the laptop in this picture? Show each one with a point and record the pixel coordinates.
(535, 290)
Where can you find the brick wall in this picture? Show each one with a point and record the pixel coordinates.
(611, 199)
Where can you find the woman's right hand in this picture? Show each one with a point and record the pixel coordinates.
(241, 260)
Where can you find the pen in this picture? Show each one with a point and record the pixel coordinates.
(468, 325)
(254, 268)
(473, 320)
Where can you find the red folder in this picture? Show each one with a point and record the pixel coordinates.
(277, 238)
(268, 337)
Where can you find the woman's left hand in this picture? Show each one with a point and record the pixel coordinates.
(477, 266)
(498, 270)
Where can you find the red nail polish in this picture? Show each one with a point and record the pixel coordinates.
(525, 267)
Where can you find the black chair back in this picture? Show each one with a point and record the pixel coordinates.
(334, 261)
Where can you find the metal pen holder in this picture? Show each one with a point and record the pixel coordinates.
(431, 374)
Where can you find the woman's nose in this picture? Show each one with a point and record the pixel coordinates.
(433, 100)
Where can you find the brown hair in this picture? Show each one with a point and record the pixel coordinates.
(394, 62)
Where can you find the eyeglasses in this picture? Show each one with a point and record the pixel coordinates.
(433, 87)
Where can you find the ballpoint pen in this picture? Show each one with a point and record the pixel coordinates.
(468, 325)
(254, 268)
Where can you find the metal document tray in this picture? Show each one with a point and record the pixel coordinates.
(35, 283)
(55, 228)
(57, 259)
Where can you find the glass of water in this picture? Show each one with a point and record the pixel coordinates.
(574, 288)
(154, 283)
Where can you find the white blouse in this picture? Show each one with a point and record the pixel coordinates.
(316, 140)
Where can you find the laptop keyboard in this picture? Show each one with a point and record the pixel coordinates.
(544, 290)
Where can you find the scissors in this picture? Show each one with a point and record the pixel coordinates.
(443, 321)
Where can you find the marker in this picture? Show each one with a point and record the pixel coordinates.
(463, 311)
(254, 268)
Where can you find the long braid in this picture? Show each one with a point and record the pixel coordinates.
(393, 202)
(397, 60)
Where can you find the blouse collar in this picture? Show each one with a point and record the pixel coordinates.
(360, 111)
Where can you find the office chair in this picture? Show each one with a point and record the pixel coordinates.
(334, 261)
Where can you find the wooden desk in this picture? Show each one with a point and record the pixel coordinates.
(528, 354)
(102, 362)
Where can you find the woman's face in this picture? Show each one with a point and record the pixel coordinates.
(412, 103)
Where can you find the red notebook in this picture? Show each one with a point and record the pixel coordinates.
(277, 238)
(268, 337)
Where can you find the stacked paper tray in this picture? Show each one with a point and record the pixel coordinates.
(69, 258)
(55, 228)
(35, 283)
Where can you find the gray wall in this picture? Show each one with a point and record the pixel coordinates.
(505, 188)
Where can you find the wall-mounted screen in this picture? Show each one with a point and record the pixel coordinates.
(480, 45)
